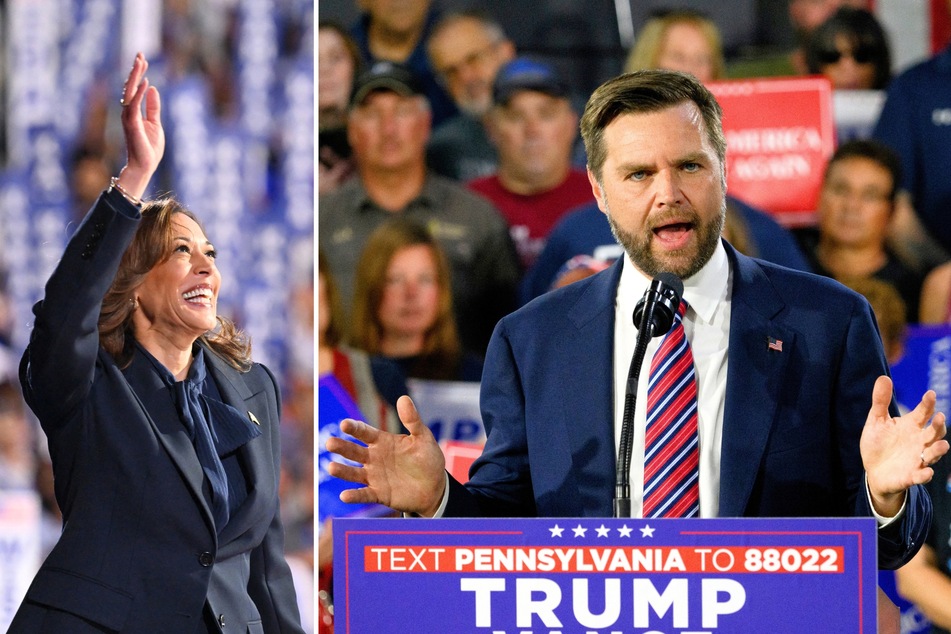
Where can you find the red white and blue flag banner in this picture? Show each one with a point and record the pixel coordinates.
(601, 576)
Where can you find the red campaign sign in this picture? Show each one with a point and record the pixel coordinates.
(459, 457)
(780, 133)
(738, 559)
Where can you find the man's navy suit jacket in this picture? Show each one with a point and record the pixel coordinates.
(792, 420)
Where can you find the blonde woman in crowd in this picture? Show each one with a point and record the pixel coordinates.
(679, 40)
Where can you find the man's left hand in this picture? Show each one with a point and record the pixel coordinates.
(898, 452)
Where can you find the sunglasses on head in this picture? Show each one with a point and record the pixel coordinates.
(861, 55)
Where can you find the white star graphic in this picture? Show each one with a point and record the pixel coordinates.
(603, 531)
(578, 531)
(556, 531)
(625, 531)
(647, 531)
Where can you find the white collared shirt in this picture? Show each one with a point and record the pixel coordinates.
(707, 327)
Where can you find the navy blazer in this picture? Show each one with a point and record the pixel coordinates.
(792, 418)
(139, 545)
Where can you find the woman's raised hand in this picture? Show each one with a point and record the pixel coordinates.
(144, 135)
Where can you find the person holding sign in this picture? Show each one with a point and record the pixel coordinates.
(785, 409)
(164, 435)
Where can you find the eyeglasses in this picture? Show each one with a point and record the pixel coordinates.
(449, 73)
(861, 55)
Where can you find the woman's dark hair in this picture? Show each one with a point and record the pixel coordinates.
(335, 327)
(864, 34)
(152, 245)
(874, 151)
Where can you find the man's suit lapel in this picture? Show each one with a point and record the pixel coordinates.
(760, 347)
(756, 375)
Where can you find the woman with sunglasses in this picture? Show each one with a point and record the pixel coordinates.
(851, 49)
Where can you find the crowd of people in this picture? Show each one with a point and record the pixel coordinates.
(201, 53)
(452, 182)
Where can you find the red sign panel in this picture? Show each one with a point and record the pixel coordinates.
(779, 134)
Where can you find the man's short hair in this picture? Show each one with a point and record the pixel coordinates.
(645, 91)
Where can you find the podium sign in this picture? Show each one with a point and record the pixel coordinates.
(779, 135)
(601, 576)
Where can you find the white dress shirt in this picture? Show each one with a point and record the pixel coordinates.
(707, 327)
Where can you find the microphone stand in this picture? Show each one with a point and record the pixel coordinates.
(622, 486)
(657, 308)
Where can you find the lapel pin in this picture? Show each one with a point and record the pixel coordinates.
(775, 344)
(253, 418)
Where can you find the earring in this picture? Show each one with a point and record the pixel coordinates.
(135, 303)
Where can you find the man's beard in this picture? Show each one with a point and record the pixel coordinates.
(476, 107)
(683, 263)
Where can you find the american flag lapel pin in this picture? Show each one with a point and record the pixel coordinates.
(774, 344)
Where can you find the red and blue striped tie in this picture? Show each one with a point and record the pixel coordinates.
(671, 443)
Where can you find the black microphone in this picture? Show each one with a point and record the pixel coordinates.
(653, 317)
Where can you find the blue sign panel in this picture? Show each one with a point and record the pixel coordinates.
(542, 576)
(333, 405)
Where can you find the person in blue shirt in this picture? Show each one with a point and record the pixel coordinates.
(916, 122)
(397, 32)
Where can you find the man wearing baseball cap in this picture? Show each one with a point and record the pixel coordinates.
(466, 50)
(534, 128)
(388, 127)
(387, 77)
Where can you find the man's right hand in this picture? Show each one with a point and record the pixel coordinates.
(406, 473)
